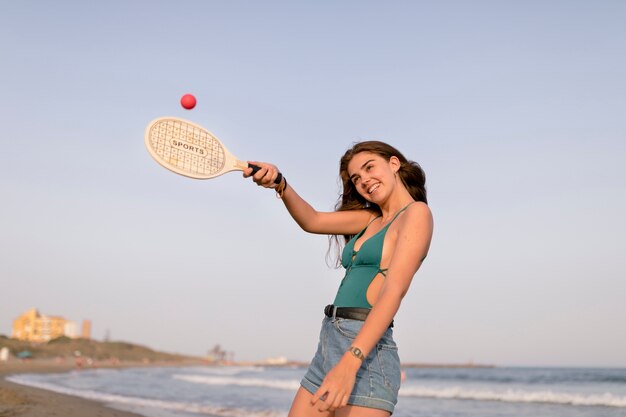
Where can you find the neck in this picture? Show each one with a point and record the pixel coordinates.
(394, 204)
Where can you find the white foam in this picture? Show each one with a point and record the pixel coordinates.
(290, 384)
(521, 396)
(113, 399)
(227, 370)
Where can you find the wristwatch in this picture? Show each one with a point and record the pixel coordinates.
(356, 352)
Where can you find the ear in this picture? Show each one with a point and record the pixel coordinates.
(394, 163)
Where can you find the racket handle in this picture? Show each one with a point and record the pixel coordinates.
(255, 168)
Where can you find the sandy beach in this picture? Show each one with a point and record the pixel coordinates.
(19, 400)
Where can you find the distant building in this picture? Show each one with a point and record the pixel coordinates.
(70, 329)
(86, 333)
(4, 354)
(35, 327)
(281, 360)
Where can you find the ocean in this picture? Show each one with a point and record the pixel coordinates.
(267, 391)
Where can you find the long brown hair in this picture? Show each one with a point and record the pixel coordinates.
(411, 174)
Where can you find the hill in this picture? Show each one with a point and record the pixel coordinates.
(64, 347)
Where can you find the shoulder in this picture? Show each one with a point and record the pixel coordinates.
(419, 207)
(417, 217)
(419, 210)
(415, 232)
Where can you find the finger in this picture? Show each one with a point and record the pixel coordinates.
(337, 402)
(323, 406)
(259, 175)
(327, 402)
(267, 177)
(316, 397)
(256, 165)
(247, 172)
(269, 180)
(273, 178)
(321, 398)
(251, 168)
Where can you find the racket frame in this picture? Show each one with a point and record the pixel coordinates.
(180, 150)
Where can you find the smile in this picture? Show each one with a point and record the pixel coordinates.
(373, 188)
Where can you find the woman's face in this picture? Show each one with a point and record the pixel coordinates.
(372, 175)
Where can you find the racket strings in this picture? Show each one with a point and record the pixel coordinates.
(187, 147)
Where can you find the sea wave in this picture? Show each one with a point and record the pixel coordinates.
(287, 384)
(554, 376)
(516, 396)
(132, 402)
(226, 370)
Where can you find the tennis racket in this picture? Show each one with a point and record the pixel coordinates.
(189, 149)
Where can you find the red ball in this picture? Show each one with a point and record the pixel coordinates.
(188, 101)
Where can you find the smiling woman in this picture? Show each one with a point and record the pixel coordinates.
(387, 225)
(374, 153)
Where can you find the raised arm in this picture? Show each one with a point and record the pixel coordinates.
(309, 219)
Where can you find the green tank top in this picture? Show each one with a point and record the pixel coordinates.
(361, 267)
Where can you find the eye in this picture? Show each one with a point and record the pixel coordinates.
(355, 180)
(369, 167)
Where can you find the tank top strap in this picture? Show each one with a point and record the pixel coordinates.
(371, 221)
(358, 235)
(398, 213)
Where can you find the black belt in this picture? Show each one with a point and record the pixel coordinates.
(352, 313)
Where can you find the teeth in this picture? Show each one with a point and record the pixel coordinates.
(373, 188)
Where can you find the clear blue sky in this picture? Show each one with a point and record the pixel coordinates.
(516, 110)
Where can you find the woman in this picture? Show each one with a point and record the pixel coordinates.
(384, 217)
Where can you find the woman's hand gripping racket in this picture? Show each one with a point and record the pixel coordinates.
(190, 150)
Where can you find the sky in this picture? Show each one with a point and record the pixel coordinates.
(515, 110)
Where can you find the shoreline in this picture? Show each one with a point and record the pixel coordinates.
(18, 400)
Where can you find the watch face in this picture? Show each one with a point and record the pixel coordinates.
(357, 352)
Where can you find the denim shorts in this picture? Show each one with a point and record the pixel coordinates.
(378, 379)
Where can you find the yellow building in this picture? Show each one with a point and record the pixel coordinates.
(34, 327)
(86, 332)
